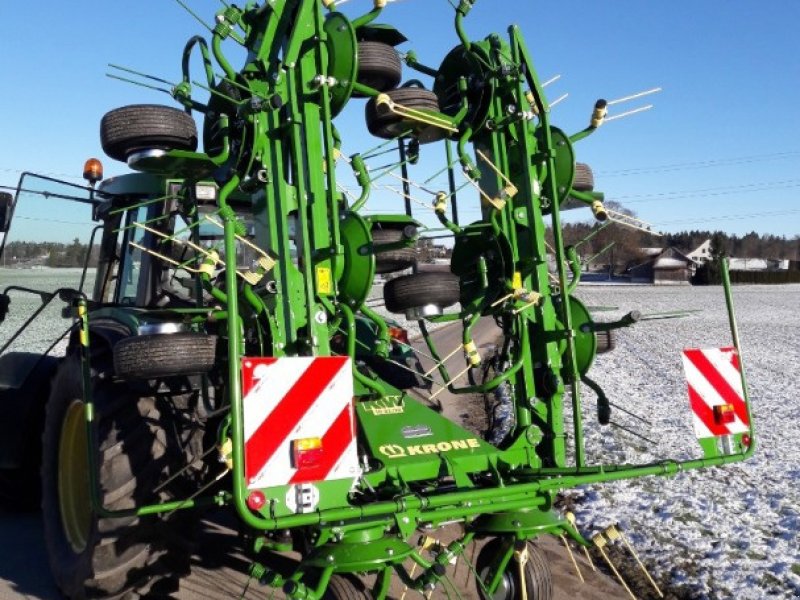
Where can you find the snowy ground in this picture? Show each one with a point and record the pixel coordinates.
(730, 532)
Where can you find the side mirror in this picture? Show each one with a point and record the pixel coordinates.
(6, 202)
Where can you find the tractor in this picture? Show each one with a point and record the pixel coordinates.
(207, 340)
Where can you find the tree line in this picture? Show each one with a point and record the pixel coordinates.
(48, 254)
(620, 246)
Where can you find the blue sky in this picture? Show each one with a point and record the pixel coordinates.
(720, 150)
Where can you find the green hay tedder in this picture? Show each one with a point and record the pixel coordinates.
(221, 351)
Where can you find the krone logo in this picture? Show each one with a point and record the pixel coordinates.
(392, 450)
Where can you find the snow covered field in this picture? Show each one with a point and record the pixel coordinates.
(729, 532)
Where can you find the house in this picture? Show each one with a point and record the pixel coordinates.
(757, 264)
(701, 254)
(669, 267)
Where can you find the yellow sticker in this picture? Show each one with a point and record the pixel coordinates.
(324, 280)
(390, 405)
(517, 282)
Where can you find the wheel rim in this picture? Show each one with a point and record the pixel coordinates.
(506, 589)
(73, 477)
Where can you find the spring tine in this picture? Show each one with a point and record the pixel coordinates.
(634, 415)
(627, 430)
(571, 556)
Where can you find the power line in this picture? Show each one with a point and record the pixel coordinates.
(705, 164)
(726, 190)
(735, 217)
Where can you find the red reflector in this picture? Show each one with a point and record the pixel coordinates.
(399, 334)
(256, 500)
(746, 440)
(724, 414)
(306, 452)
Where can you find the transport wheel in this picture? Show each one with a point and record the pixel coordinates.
(379, 66)
(164, 355)
(389, 261)
(606, 341)
(388, 125)
(129, 129)
(584, 178)
(538, 579)
(342, 587)
(95, 557)
(420, 290)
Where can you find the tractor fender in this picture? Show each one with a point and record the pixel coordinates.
(22, 410)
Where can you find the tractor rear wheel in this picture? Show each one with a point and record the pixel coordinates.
(126, 130)
(538, 582)
(379, 66)
(98, 557)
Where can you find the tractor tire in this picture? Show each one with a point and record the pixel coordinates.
(584, 178)
(164, 355)
(389, 261)
(92, 556)
(130, 129)
(538, 578)
(606, 341)
(388, 125)
(421, 289)
(379, 66)
(341, 587)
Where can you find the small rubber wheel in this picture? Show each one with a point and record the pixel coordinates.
(421, 289)
(389, 261)
(606, 341)
(538, 579)
(164, 355)
(379, 66)
(388, 125)
(130, 129)
(341, 587)
(584, 178)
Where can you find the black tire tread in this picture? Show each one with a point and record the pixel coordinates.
(606, 341)
(379, 66)
(389, 125)
(123, 555)
(164, 355)
(143, 126)
(389, 261)
(342, 587)
(584, 178)
(538, 577)
(421, 289)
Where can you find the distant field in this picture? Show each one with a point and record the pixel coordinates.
(49, 325)
(731, 532)
(720, 533)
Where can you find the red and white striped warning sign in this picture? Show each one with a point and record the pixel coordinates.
(715, 391)
(298, 402)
